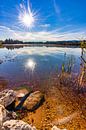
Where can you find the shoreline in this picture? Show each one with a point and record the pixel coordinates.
(39, 45)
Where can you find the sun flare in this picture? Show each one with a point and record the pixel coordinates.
(28, 20)
(27, 17)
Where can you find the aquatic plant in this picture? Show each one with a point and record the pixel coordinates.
(1, 45)
(63, 67)
(68, 64)
(57, 68)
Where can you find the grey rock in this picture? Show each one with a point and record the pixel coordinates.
(7, 97)
(5, 115)
(17, 125)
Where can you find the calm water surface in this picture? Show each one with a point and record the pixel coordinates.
(30, 64)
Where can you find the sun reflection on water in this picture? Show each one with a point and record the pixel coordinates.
(30, 64)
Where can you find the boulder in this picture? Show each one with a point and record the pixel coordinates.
(17, 125)
(34, 100)
(5, 115)
(7, 97)
(22, 91)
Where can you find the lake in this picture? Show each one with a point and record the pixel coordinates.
(28, 65)
(41, 68)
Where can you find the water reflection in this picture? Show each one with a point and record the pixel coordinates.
(30, 64)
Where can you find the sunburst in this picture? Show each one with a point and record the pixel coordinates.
(27, 17)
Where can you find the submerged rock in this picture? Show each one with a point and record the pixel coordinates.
(34, 100)
(17, 125)
(22, 91)
(21, 95)
(7, 97)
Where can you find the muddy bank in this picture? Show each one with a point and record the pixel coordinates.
(63, 107)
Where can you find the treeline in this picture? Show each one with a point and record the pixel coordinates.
(11, 41)
(63, 43)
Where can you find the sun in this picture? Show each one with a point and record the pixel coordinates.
(27, 17)
(28, 20)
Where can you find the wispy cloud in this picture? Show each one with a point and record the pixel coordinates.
(43, 35)
(45, 25)
(56, 7)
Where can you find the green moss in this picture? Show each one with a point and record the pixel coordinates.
(24, 87)
(83, 44)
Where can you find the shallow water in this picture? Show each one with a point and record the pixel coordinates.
(36, 67)
(30, 64)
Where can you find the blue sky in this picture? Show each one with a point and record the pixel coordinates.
(54, 20)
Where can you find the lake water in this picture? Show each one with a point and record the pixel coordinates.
(38, 67)
(28, 65)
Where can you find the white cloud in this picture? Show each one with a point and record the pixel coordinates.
(41, 51)
(53, 35)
